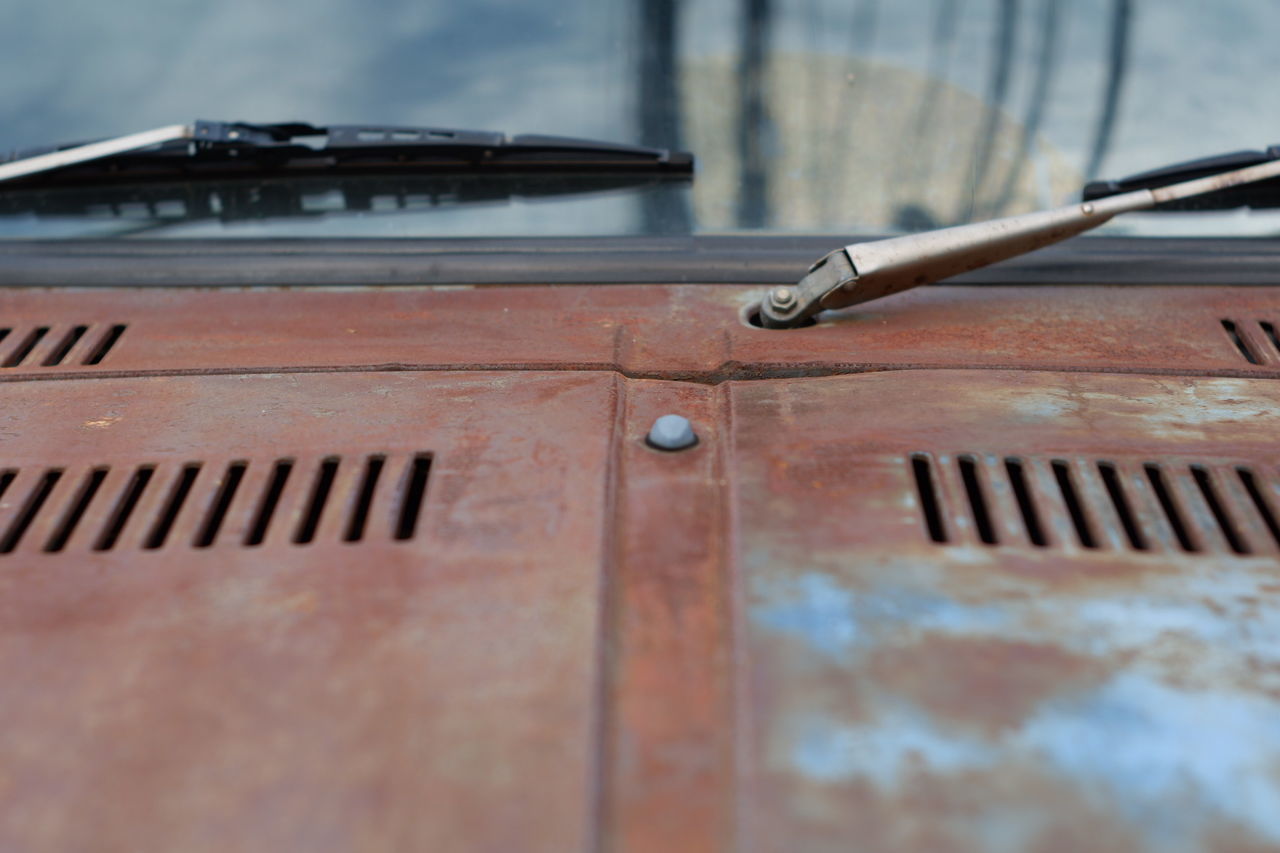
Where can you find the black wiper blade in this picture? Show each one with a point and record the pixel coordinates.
(221, 150)
(1260, 195)
(161, 204)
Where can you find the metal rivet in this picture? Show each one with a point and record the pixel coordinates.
(782, 298)
(672, 432)
(1086, 208)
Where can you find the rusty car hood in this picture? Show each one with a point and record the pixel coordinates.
(977, 568)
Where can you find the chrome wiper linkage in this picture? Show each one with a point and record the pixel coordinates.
(865, 271)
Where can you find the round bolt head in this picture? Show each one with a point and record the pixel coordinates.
(782, 297)
(672, 432)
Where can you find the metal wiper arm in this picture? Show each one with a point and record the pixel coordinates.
(864, 271)
(59, 158)
(218, 149)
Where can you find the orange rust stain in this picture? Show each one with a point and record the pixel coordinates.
(303, 602)
(983, 683)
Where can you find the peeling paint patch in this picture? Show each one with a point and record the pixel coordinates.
(1172, 763)
(1096, 689)
(1222, 607)
(1150, 745)
(834, 620)
(1226, 401)
(814, 608)
(824, 750)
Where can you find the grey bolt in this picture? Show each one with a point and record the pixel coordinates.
(782, 298)
(672, 432)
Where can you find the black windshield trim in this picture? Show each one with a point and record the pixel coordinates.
(737, 259)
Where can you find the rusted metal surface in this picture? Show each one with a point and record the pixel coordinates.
(654, 331)
(438, 693)
(669, 742)
(585, 643)
(915, 696)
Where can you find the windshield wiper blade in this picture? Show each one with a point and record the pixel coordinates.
(1258, 195)
(864, 271)
(216, 150)
(156, 205)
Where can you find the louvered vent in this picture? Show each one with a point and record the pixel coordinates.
(1098, 504)
(50, 346)
(202, 505)
(1257, 341)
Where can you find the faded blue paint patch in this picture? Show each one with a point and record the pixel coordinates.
(1231, 613)
(814, 608)
(946, 615)
(827, 751)
(1173, 762)
(1223, 401)
(833, 620)
(1167, 757)
(824, 751)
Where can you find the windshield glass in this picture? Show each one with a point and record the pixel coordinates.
(806, 116)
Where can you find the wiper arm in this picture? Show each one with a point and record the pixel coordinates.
(864, 271)
(212, 149)
(58, 158)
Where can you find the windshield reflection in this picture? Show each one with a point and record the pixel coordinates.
(831, 116)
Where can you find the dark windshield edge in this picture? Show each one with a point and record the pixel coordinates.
(724, 259)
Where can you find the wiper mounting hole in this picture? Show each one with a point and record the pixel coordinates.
(751, 317)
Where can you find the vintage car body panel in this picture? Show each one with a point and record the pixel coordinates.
(682, 332)
(546, 635)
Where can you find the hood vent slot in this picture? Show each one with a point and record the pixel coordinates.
(1075, 507)
(1272, 337)
(25, 346)
(31, 505)
(1120, 502)
(108, 342)
(1097, 504)
(411, 504)
(119, 516)
(53, 346)
(288, 502)
(923, 471)
(1026, 503)
(1257, 342)
(315, 503)
(279, 477)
